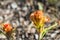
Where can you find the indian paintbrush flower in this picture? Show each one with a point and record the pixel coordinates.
(7, 28)
(8, 31)
(39, 20)
(37, 17)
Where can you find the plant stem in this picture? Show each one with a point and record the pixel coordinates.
(39, 37)
(43, 32)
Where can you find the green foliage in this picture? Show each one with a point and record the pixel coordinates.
(46, 30)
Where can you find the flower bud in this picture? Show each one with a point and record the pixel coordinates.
(36, 17)
(7, 27)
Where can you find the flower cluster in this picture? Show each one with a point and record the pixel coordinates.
(39, 21)
(8, 31)
(7, 28)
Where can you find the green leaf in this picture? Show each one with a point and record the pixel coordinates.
(46, 30)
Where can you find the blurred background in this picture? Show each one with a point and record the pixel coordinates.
(17, 13)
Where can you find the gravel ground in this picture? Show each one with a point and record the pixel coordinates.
(17, 12)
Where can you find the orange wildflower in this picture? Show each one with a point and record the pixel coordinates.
(7, 27)
(39, 19)
(36, 17)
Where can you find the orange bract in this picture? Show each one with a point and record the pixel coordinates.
(36, 16)
(7, 27)
(39, 19)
